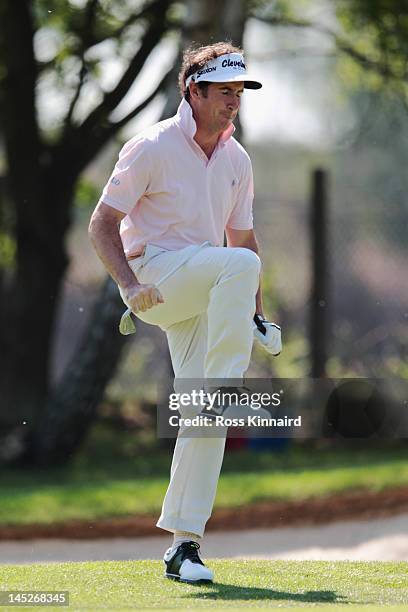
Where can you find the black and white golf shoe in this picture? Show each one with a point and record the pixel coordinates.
(184, 564)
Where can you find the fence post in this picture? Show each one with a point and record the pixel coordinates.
(319, 303)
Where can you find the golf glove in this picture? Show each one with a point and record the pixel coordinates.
(268, 334)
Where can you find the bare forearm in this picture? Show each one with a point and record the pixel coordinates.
(253, 246)
(259, 302)
(248, 241)
(108, 245)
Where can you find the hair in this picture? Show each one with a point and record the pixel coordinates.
(195, 58)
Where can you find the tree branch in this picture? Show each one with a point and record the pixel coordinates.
(283, 21)
(87, 30)
(122, 122)
(94, 39)
(132, 19)
(81, 80)
(88, 40)
(71, 144)
(105, 132)
(381, 68)
(115, 96)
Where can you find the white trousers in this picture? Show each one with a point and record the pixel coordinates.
(207, 315)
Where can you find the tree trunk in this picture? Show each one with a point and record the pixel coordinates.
(41, 180)
(29, 296)
(72, 406)
(30, 300)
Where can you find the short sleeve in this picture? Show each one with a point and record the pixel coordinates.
(241, 217)
(130, 178)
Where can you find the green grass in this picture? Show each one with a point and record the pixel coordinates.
(91, 489)
(239, 584)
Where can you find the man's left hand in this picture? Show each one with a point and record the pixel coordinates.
(268, 334)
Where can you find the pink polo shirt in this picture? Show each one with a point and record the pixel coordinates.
(172, 194)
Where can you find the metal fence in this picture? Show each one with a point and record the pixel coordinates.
(367, 293)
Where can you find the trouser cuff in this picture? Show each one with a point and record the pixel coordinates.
(173, 524)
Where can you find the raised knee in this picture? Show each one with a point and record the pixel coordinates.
(246, 259)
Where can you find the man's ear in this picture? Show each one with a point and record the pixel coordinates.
(194, 89)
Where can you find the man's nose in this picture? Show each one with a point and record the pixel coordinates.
(233, 103)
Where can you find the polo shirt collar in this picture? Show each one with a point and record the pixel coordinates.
(186, 121)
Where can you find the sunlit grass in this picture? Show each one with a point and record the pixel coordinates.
(239, 584)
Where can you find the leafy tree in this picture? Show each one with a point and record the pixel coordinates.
(373, 34)
(377, 32)
(43, 165)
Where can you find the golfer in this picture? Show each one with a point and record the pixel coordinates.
(177, 185)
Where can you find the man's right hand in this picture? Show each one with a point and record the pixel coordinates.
(141, 297)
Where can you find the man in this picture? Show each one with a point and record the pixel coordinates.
(178, 184)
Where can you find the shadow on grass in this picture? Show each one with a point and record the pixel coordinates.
(232, 592)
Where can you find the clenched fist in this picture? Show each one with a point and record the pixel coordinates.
(142, 297)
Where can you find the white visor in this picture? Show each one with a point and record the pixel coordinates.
(228, 68)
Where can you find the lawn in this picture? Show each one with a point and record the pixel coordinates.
(91, 488)
(240, 584)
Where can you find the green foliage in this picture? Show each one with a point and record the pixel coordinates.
(72, 20)
(280, 10)
(7, 251)
(78, 43)
(372, 38)
(291, 363)
(378, 34)
(137, 377)
(397, 367)
(86, 195)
